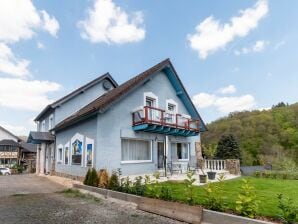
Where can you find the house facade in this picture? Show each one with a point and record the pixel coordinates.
(140, 126)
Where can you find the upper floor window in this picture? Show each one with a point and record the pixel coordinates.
(43, 125)
(171, 107)
(51, 122)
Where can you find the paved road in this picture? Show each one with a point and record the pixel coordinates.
(30, 199)
(27, 184)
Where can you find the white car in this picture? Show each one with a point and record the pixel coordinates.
(5, 171)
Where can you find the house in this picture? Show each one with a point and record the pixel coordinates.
(13, 151)
(139, 126)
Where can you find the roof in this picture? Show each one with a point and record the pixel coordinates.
(76, 92)
(3, 129)
(9, 142)
(28, 147)
(37, 137)
(105, 101)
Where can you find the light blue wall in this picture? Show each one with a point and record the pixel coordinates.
(74, 104)
(107, 129)
(116, 123)
(79, 101)
(87, 129)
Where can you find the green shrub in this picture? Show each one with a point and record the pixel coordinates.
(189, 187)
(126, 185)
(138, 187)
(286, 175)
(288, 210)
(87, 177)
(257, 174)
(214, 198)
(247, 203)
(114, 183)
(93, 178)
(166, 193)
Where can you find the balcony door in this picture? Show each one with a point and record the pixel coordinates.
(160, 155)
(151, 102)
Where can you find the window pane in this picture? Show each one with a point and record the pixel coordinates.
(180, 149)
(66, 156)
(89, 154)
(77, 152)
(135, 150)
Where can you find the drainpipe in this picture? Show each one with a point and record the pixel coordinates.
(166, 153)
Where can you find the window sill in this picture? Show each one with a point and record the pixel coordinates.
(136, 161)
(183, 160)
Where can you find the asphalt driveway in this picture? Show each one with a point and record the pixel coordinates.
(31, 199)
(27, 184)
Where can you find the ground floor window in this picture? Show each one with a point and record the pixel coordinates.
(180, 151)
(136, 150)
(66, 155)
(89, 154)
(60, 155)
(76, 152)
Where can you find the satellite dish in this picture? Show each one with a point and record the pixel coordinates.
(106, 85)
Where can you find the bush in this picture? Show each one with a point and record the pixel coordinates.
(213, 195)
(277, 175)
(189, 187)
(91, 178)
(166, 193)
(103, 177)
(126, 185)
(114, 183)
(288, 209)
(87, 177)
(138, 187)
(247, 203)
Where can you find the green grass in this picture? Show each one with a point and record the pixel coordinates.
(266, 190)
(74, 193)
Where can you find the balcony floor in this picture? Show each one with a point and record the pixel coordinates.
(162, 129)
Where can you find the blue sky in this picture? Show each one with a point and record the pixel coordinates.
(231, 55)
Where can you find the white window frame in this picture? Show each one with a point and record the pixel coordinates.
(79, 137)
(173, 102)
(152, 96)
(60, 161)
(138, 161)
(188, 150)
(69, 153)
(87, 142)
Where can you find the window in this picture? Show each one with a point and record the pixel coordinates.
(66, 155)
(51, 122)
(76, 152)
(149, 102)
(136, 150)
(43, 125)
(89, 154)
(60, 155)
(171, 107)
(180, 151)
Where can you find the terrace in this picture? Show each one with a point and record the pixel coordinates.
(156, 120)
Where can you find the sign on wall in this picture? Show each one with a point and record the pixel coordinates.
(7, 155)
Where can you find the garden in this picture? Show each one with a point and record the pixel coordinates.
(253, 197)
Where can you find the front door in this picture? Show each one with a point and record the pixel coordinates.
(160, 155)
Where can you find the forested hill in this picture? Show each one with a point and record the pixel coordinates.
(263, 136)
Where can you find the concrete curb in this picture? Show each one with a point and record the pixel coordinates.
(208, 216)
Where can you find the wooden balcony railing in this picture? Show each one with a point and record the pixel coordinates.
(152, 115)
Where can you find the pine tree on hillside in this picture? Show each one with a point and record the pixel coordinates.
(228, 148)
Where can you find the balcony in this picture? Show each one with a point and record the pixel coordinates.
(156, 120)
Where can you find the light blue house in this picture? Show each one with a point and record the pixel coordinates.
(139, 126)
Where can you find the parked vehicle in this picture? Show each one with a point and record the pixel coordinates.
(5, 171)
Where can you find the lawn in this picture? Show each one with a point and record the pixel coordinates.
(266, 190)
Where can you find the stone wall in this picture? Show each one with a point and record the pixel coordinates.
(78, 178)
(233, 166)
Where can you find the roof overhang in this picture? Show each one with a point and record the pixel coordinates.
(36, 137)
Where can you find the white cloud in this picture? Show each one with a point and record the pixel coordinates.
(279, 44)
(224, 104)
(227, 90)
(12, 65)
(211, 35)
(106, 22)
(20, 19)
(26, 94)
(40, 45)
(203, 100)
(259, 46)
(237, 103)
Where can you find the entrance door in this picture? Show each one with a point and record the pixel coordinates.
(160, 155)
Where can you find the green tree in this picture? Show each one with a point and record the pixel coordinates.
(228, 148)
